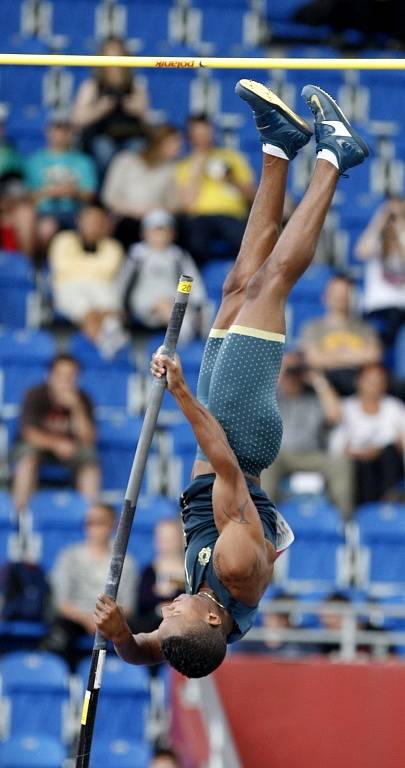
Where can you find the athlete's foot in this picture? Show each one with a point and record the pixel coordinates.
(333, 132)
(277, 124)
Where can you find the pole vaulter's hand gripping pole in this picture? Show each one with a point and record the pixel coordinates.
(126, 520)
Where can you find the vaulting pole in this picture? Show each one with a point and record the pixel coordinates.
(125, 522)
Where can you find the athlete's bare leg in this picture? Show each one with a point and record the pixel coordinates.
(339, 147)
(268, 290)
(262, 231)
(275, 122)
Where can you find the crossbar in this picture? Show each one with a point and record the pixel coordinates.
(195, 62)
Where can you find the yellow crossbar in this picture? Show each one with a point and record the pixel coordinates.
(191, 62)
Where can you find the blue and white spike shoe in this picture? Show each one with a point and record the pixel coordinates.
(276, 122)
(333, 131)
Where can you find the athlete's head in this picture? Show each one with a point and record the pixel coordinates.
(192, 635)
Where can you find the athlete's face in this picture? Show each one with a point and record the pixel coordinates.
(183, 612)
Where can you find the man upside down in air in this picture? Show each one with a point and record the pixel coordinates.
(233, 531)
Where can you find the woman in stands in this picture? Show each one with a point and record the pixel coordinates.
(110, 109)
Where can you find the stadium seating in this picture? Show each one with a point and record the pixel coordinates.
(120, 753)
(380, 555)
(35, 687)
(32, 751)
(124, 700)
(149, 511)
(18, 300)
(8, 526)
(320, 557)
(57, 522)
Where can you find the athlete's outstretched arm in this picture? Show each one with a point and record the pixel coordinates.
(241, 555)
(209, 433)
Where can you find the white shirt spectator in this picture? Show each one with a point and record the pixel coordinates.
(360, 430)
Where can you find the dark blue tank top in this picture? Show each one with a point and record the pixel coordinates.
(201, 535)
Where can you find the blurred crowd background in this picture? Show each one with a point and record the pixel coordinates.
(113, 182)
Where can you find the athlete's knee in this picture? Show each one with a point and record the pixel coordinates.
(236, 281)
(269, 280)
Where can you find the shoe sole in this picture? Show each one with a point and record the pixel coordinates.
(362, 144)
(273, 100)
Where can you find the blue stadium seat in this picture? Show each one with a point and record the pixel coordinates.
(107, 388)
(58, 520)
(312, 284)
(117, 440)
(214, 274)
(282, 10)
(380, 557)
(88, 354)
(8, 525)
(298, 314)
(26, 347)
(399, 355)
(318, 558)
(148, 22)
(18, 379)
(150, 511)
(32, 751)
(217, 18)
(170, 92)
(17, 289)
(124, 700)
(120, 754)
(37, 687)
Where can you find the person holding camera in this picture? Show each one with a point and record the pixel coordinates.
(215, 187)
(382, 247)
(309, 406)
(110, 109)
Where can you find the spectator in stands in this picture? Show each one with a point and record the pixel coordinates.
(340, 343)
(60, 178)
(372, 433)
(150, 276)
(163, 579)
(335, 622)
(56, 426)
(216, 188)
(137, 183)
(308, 405)
(11, 161)
(382, 246)
(164, 758)
(18, 221)
(274, 644)
(110, 109)
(84, 269)
(78, 576)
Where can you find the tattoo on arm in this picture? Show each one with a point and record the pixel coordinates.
(241, 519)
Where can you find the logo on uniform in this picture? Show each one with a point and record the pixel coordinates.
(204, 555)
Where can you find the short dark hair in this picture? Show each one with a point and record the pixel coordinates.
(196, 653)
(165, 752)
(198, 117)
(63, 357)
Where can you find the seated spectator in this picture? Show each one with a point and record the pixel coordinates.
(163, 579)
(216, 188)
(150, 276)
(372, 433)
(276, 622)
(340, 343)
(335, 622)
(18, 221)
(137, 183)
(382, 247)
(308, 405)
(60, 178)
(164, 758)
(11, 161)
(110, 109)
(84, 268)
(56, 426)
(79, 575)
